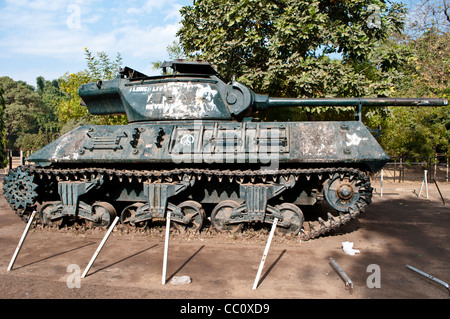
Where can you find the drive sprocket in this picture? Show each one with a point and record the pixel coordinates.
(19, 189)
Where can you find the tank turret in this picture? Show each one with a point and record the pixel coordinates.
(195, 91)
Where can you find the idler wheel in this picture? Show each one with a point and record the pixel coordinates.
(128, 214)
(341, 192)
(292, 221)
(196, 214)
(221, 215)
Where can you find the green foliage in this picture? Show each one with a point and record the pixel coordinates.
(2, 131)
(23, 112)
(421, 131)
(50, 96)
(174, 51)
(70, 107)
(35, 117)
(428, 72)
(283, 48)
(288, 48)
(30, 116)
(70, 110)
(412, 132)
(101, 67)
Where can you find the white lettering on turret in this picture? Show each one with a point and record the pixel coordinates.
(139, 89)
(181, 100)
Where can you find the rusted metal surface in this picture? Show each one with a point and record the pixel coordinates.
(218, 142)
(198, 92)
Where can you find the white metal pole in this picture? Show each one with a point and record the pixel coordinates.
(421, 187)
(263, 259)
(22, 239)
(166, 249)
(426, 183)
(100, 247)
(381, 188)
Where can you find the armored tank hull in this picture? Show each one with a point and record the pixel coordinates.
(192, 150)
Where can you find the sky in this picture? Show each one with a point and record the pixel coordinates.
(47, 37)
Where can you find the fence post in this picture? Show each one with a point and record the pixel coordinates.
(446, 175)
(435, 167)
(395, 167)
(402, 171)
(429, 162)
(10, 159)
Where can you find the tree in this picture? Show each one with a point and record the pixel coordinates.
(429, 14)
(329, 48)
(428, 73)
(70, 107)
(70, 111)
(2, 131)
(284, 48)
(23, 106)
(50, 95)
(410, 132)
(175, 51)
(421, 131)
(101, 67)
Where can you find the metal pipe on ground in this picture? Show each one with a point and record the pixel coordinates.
(342, 274)
(443, 283)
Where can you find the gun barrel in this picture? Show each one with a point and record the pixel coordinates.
(268, 102)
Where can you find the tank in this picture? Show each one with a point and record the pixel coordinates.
(192, 148)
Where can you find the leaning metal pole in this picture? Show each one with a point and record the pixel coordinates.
(266, 251)
(22, 239)
(100, 246)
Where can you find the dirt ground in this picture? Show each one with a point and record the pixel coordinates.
(396, 229)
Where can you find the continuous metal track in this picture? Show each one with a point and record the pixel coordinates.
(311, 229)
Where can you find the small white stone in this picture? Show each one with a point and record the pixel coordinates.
(180, 280)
